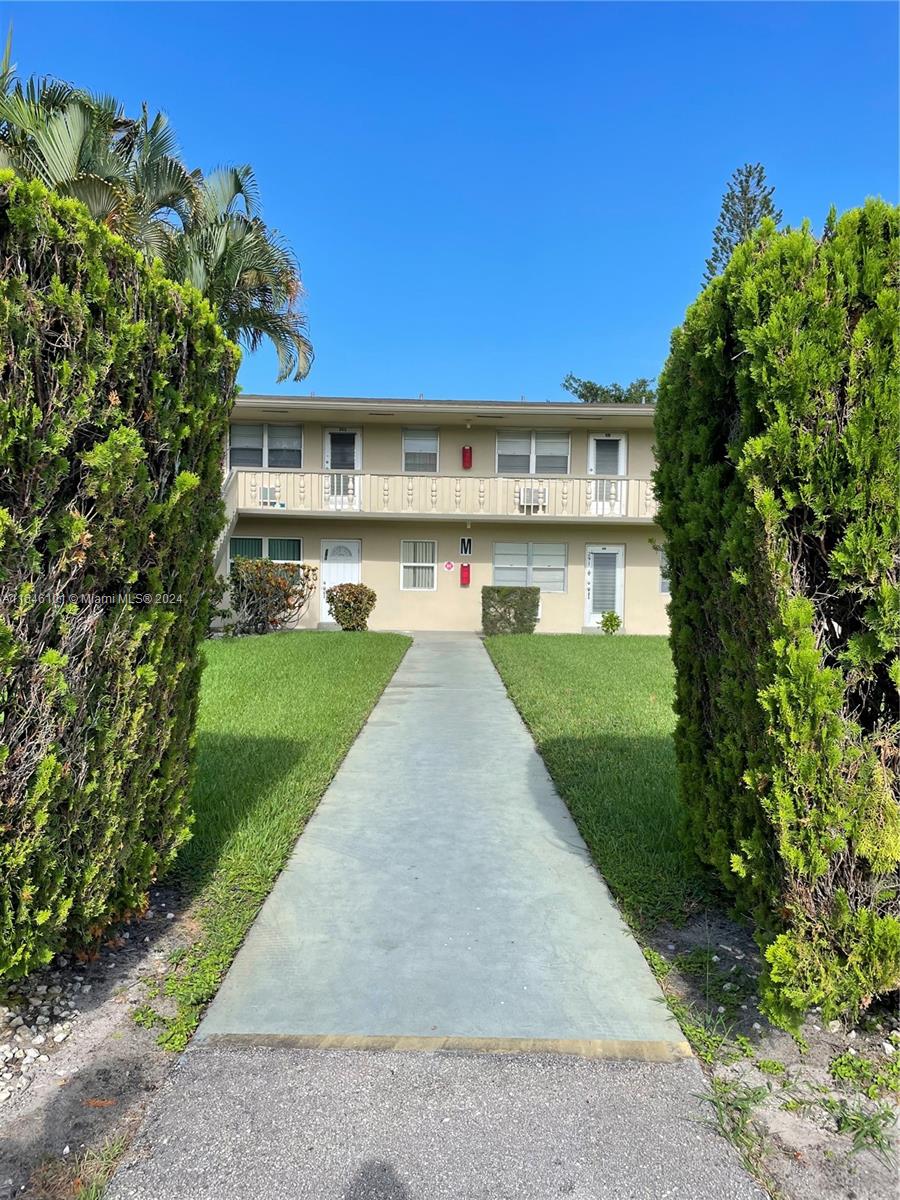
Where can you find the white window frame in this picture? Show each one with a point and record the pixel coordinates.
(437, 450)
(610, 436)
(357, 448)
(434, 565)
(533, 454)
(529, 566)
(265, 446)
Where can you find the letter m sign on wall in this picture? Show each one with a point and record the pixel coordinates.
(465, 547)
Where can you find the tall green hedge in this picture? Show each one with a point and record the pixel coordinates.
(776, 426)
(115, 388)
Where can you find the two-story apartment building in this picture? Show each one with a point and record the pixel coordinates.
(426, 501)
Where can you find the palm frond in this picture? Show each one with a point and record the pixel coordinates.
(224, 187)
(7, 66)
(101, 198)
(55, 154)
(21, 112)
(163, 183)
(47, 92)
(157, 138)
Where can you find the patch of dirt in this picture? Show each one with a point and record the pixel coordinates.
(76, 1069)
(802, 1116)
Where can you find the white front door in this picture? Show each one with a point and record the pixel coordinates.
(340, 564)
(604, 584)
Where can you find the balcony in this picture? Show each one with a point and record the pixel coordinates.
(441, 497)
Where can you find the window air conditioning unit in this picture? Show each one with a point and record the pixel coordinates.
(532, 499)
(268, 497)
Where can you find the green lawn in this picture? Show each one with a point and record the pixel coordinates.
(277, 715)
(600, 711)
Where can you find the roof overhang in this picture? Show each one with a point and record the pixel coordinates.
(341, 410)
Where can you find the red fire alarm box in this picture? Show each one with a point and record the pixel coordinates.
(467, 458)
(465, 572)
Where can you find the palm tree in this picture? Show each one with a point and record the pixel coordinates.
(126, 172)
(243, 267)
(129, 175)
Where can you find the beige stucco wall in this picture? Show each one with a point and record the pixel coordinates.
(382, 447)
(452, 607)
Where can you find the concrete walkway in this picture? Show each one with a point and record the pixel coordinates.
(442, 889)
(440, 900)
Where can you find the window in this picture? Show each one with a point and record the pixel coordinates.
(543, 452)
(282, 550)
(341, 450)
(513, 453)
(285, 446)
(663, 573)
(244, 547)
(246, 446)
(285, 550)
(418, 566)
(531, 564)
(420, 449)
(607, 456)
(551, 453)
(272, 446)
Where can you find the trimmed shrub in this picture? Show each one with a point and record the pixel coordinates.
(265, 595)
(509, 609)
(115, 390)
(777, 482)
(610, 622)
(350, 605)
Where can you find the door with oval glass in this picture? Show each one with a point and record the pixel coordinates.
(604, 582)
(340, 564)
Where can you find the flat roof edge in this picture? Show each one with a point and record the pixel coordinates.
(254, 399)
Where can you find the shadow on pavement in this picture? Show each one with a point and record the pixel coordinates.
(376, 1180)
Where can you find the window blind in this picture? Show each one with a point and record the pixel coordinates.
(514, 453)
(530, 564)
(245, 547)
(603, 583)
(551, 453)
(606, 456)
(246, 448)
(285, 549)
(418, 564)
(420, 450)
(285, 446)
(544, 452)
(663, 573)
(342, 448)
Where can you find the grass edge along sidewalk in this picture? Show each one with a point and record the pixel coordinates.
(810, 1115)
(277, 716)
(600, 711)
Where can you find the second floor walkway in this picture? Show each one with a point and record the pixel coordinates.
(334, 493)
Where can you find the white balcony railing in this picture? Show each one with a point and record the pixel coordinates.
(554, 498)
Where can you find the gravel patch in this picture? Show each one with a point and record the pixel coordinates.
(76, 1069)
(797, 1103)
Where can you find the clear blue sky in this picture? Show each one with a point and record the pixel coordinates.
(486, 196)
